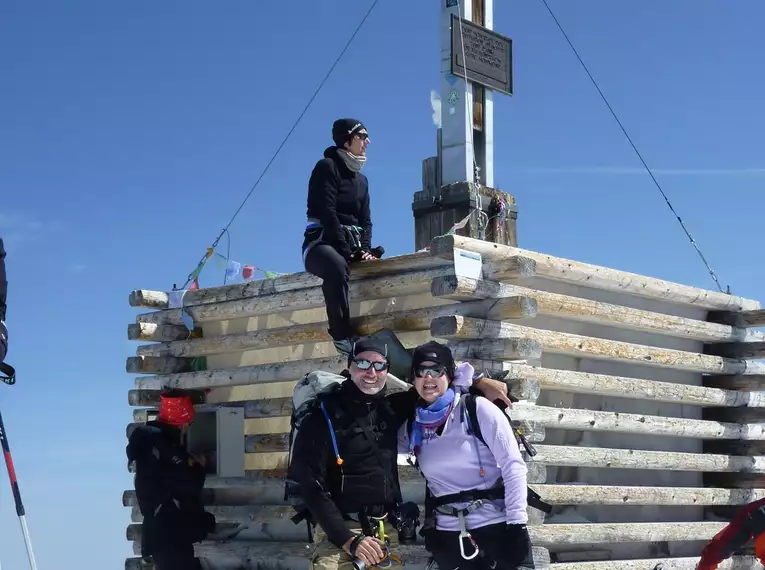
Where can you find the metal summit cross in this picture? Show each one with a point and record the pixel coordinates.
(475, 62)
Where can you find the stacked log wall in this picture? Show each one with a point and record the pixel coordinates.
(642, 396)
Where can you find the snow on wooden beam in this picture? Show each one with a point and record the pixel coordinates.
(590, 275)
(456, 327)
(742, 319)
(688, 563)
(624, 495)
(410, 320)
(615, 422)
(599, 457)
(737, 349)
(261, 287)
(585, 310)
(632, 388)
(159, 333)
(364, 289)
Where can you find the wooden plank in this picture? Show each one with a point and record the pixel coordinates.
(737, 349)
(299, 299)
(303, 280)
(260, 373)
(159, 333)
(742, 319)
(633, 388)
(606, 495)
(592, 275)
(518, 348)
(734, 563)
(588, 311)
(163, 364)
(410, 320)
(292, 367)
(456, 327)
(575, 456)
(549, 535)
(150, 398)
(615, 422)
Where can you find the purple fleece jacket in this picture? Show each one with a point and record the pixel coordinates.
(450, 463)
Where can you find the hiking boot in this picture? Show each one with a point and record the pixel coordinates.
(344, 347)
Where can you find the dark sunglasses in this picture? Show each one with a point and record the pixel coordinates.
(434, 371)
(367, 364)
(362, 136)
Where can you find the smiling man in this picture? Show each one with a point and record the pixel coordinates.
(344, 460)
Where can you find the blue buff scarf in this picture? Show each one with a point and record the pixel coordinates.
(427, 420)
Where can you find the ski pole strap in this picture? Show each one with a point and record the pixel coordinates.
(7, 374)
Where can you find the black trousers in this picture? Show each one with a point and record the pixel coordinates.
(324, 262)
(501, 546)
(178, 558)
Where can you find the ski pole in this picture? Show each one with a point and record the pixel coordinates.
(16, 494)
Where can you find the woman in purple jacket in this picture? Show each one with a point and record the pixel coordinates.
(476, 491)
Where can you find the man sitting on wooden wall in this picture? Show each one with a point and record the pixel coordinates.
(168, 485)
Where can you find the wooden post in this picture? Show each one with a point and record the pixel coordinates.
(451, 191)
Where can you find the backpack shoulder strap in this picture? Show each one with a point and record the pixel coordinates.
(474, 426)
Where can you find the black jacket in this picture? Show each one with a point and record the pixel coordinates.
(168, 485)
(339, 197)
(366, 479)
(3, 282)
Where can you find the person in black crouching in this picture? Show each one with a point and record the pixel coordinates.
(339, 225)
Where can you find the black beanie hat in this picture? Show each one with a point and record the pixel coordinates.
(342, 130)
(434, 352)
(368, 344)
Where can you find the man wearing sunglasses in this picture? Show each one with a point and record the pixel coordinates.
(339, 225)
(344, 459)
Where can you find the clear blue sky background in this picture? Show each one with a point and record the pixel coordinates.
(130, 131)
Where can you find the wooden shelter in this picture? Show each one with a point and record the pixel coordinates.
(643, 397)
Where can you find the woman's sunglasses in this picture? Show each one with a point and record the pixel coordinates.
(367, 364)
(435, 371)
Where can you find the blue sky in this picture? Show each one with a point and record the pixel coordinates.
(129, 133)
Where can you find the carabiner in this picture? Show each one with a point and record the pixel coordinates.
(463, 536)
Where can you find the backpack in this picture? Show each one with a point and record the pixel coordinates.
(308, 395)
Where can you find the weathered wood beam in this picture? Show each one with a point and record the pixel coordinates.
(624, 495)
(292, 367)
(588, 311)
(150, 398)
(741, 319)
(633, 388)
(160, 333)
(588, 420)
(734, 563)
(260, 373)
(589, 347)
(598, 457)
(737, 349)
(591, 275)
(517, 348)
(547, 535)
(295, 300)
(262, 287)
(416, 320)
(163, 364)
